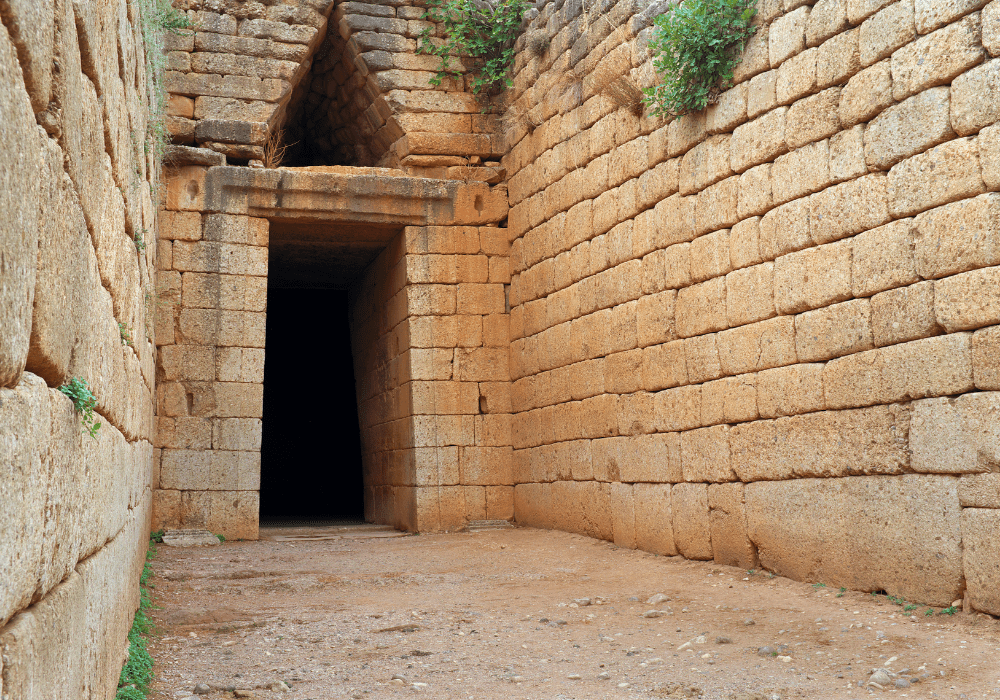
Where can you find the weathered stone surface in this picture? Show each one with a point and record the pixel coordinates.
(975, 101)
(31, 25)
(910, 127)
(957, 436)
(968, 301)
(981, 558)
(936, 58)
(863, 533)
(883, 259)
(887, 31)
(692, 526)
(727, 515)
(189, 538)
(654, 520)
(958, 237)
(979, 490)
(943, 174)
(19, 202)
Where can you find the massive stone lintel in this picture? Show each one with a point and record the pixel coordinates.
(343, 194)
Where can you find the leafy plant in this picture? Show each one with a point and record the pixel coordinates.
(140, 244)
(482, 31)
(696, 45)
(928, 612)
(125, 334)
(84, 403)
(843, 590)
(819, 585)
(137, 673)
(950, 610)
(222, 538)
(911, 606)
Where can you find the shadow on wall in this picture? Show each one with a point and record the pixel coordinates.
(311, 452)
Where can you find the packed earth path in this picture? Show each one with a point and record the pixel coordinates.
(363, 612)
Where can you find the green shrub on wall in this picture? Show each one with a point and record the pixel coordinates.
(482, 31)
(696, 45)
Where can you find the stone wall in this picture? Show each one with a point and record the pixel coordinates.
(429, 329)
(210, 336)
(76, 300)
(354, 93)
(766, 333)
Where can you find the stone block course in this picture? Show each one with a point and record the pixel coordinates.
(974, 98)
(908, 128)
(937, 58)
(886, 31)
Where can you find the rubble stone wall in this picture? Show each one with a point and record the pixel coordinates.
(77, 254)
(429, 328)
(766, 333)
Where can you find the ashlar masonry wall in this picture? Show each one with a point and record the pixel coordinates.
(766, 333)
(76, 184)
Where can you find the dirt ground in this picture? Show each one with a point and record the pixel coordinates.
(363, 613)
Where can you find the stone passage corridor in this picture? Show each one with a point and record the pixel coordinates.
(532, 614)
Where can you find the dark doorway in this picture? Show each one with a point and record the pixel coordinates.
(311, 451)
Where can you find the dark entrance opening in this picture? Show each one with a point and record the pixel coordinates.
(311, 451)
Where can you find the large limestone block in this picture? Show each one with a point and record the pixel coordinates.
(981, 554)
(63, 280)
(24, 432)
(909, 127)
(19, 209)
(976, 98)
(898, 534)
(654, 526)
(959, 236)
(583, 507)
(234, 514)
(727, 515)
(957, 436)
(692, 528)
(979, 490)
(31, 24)
(623, 514)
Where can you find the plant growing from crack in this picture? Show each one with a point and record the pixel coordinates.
(84, 403)
(696, 45)
(483, 31)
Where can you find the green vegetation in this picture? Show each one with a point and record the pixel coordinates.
(125, 334)
(695, 46)
(137, 673)
(843, 590)
(140, 243)
(157, 17)
(950, 610)
(481, 32)
(819, 585)
(84, 403)
(222, 538)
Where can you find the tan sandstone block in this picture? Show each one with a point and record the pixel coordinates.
(623, 514)
(716, 206)
(180, 225)
(678, 409)
(705, 455)
(754, 195)
(956, 436)
(796, 77)
(710, 256)
(968, 301)
(981, 558)
(701, 355)
(937, 58)
(943, 174)
(839, 329)
(986, 358)
(937, 366)
(813, 118)
(931, 14)
(692, 527)
(790, 391)
(757, 346)
(787, 36)
(727, 517)
(847, 209)
(974, 98)
(813, 278)
(958, 237)
(801, 172)
(866, 95)
(979, 490)
(991, 28)
(758, 141)
(903, 314)
(654, 521)
(701, 308)
(761, 95)
(883, 259)
(655, 318)
(886, 31)
(898, 534)
(750, 294)
(744, 243)
(705, 164)
(785, 229)
(664, 366)
(907, 128)
(827, 19)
